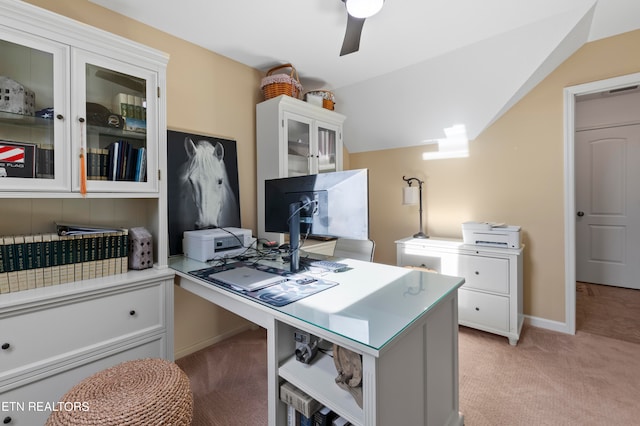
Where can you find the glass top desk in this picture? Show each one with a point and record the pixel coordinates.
(403, 323)
(371, 304)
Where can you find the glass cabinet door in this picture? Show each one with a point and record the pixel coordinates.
(327, 156)
(114, 112)
(33, 114)
(298, 137)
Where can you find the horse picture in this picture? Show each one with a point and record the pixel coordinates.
(202, 186)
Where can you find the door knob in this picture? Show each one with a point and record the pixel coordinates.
(580, 214)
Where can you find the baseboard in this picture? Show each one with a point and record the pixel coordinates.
(208, 342)
(558, 326)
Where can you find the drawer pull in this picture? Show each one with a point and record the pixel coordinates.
(132, 312)
(6, 420)
(5, 346)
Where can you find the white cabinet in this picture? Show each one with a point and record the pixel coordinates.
(491, 298)
(294, 138)
(70, 90)
(53, 338)
(61, 82)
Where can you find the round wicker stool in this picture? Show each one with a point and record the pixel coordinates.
(141, 392)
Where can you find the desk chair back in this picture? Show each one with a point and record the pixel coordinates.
(354, 249)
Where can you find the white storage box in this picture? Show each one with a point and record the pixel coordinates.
(15, 98)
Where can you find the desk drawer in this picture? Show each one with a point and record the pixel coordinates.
(44, 335)
(485, 273)
(488, 310)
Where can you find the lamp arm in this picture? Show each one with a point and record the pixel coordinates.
(410, 181)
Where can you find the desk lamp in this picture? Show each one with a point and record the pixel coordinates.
(411, 195)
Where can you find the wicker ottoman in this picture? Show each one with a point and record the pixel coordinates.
(141, 392)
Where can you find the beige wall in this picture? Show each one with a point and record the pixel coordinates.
(514, 174)
(207, 94)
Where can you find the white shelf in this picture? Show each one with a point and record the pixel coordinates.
(318, 379)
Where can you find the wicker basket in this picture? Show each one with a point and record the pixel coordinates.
(274, 85)
(328, 99)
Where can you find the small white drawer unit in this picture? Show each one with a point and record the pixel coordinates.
(491, 298)
(53, 337)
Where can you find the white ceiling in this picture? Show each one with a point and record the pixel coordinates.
(423, 65)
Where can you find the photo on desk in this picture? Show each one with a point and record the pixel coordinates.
(202, 185)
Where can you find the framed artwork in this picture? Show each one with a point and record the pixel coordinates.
(202, 185)
(17, 159)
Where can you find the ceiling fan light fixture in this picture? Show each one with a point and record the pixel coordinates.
(363, 8)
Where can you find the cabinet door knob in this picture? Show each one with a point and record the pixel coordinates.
(6, 420)
(60, 116)
(580, 214)
(477, 309)
(132, 312)
(477, 272)
(81, 119)
(5, 346)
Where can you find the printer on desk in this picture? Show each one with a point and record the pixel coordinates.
(207, 244)
(491, 234)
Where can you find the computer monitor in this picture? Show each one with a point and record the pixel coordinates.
(334, 204)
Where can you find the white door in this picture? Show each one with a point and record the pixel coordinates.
(608, 206)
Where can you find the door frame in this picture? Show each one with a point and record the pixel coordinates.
(570, 94)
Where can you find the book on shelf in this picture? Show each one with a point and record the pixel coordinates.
(45, 161)
(306, 421)
(305, 404)
(293, 417)
(42, 260)
(79, 229)
(323, 417)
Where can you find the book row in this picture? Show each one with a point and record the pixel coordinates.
(33, 261)
(120, 161)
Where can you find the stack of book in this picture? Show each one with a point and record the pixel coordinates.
(42, 260)
(303, 410)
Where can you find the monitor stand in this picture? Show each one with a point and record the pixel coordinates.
(294, 236)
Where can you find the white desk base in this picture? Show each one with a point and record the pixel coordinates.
(412, 380)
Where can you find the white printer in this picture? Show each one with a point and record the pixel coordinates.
(207, 244)
(491, 234)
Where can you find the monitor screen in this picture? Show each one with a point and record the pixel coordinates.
(334, 204)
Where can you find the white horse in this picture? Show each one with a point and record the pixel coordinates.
(205, 176)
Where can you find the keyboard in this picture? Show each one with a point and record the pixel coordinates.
(325, 264)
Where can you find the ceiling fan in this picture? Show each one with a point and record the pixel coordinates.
(357, 12)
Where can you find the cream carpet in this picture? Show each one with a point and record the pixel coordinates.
(549, 378)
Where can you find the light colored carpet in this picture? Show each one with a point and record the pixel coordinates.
(549, 378)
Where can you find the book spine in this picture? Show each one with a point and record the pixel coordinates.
(38, 255)
(20, 259)
(4, 276)
(55, 259)
(30, 262)
(47, 271)
(67, 259)
(78, 248)
(120, 105)
(10, 264)
(124, 254)
(99, 255)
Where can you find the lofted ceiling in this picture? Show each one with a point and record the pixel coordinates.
(423, 65)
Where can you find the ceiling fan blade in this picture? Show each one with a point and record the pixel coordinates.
(351, 41)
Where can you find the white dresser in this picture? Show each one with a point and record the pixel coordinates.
(52, 338)
(491, 298)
